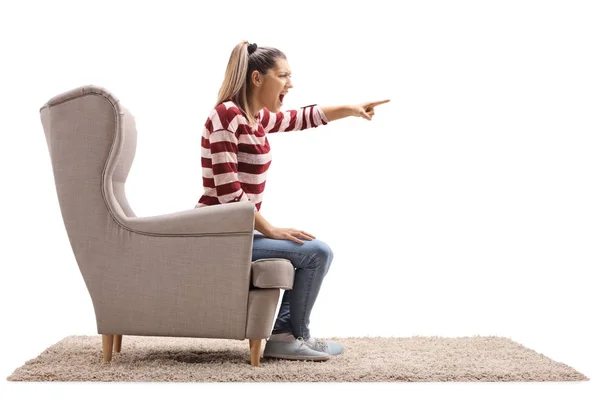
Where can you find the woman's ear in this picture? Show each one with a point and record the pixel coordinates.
(256, 78)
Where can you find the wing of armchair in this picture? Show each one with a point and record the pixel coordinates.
(187, 273)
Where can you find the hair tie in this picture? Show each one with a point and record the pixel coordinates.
(252, 48)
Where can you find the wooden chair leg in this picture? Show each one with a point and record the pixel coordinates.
(117, 343)
(255, 345)
(107, 346)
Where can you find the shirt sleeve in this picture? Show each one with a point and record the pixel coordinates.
(292, 120)
(224, 151)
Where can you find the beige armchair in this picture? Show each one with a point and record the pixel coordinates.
(185, 274)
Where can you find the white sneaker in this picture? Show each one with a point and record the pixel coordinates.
(329, 347)
(296, 349)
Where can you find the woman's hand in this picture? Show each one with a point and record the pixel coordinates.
(366, 110)
(290, 234)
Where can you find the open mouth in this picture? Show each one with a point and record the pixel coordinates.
(281, 96)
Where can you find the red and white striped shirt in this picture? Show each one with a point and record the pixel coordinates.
(236, 156)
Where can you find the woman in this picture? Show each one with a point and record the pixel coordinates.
(235, 159)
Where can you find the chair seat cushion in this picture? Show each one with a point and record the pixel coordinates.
(271, 273)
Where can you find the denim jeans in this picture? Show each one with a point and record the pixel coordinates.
(311, 261)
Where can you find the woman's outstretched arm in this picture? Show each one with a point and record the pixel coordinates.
(365, 110)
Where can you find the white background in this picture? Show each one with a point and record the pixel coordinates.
(467, 206)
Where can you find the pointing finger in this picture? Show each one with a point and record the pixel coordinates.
(376, 103)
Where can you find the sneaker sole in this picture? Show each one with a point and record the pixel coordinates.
(330, 354)
(297, 358)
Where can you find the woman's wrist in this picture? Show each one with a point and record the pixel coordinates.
(261, 224)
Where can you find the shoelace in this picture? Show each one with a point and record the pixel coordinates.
(319, 345)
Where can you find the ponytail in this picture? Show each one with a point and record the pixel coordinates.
(234, 85)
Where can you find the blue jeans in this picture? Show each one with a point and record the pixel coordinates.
(311, 261)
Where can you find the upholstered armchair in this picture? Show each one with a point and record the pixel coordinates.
(186, 274)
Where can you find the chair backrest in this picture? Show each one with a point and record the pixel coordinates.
(91, 139)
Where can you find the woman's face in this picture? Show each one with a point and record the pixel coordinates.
(274, 85)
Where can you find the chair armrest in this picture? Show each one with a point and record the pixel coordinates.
(273, 273)
(230, 218)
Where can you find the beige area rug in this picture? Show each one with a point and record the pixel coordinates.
(366, 359)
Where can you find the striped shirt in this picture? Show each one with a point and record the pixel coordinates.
(236, 156)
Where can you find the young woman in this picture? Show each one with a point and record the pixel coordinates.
(235, 159)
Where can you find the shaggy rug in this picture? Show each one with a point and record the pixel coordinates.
(366, 359)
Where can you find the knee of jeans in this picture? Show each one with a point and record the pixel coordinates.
(329, 253)
(323, 254)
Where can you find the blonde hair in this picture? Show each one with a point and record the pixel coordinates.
(236, 83)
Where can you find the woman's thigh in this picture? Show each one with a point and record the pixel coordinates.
(300, 255)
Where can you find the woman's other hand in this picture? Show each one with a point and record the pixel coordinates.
(289, 234)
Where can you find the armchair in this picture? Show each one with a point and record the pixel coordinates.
(185, 274)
